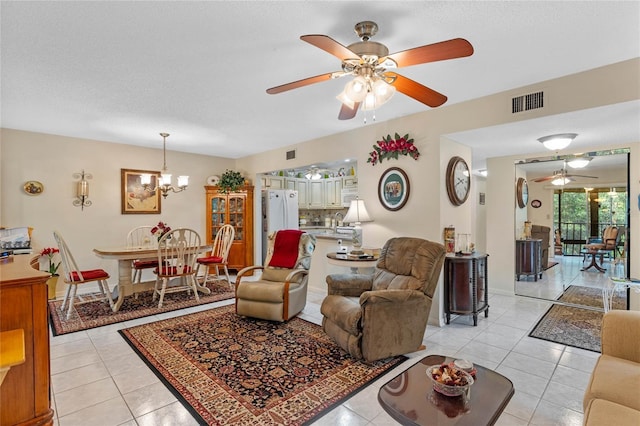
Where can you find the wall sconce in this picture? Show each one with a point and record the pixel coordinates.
(82, 190)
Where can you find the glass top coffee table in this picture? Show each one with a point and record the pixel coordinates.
(410, 399)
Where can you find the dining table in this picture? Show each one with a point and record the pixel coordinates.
(125, 257)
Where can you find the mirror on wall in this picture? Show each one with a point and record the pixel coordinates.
(566, 208)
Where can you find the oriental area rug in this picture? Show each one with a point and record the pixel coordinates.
(98, 313)
(227, 369)
(575, 326)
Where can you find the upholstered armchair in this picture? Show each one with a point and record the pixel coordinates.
(610, 239)
(281, 291)
(385, 314)
(543, 233)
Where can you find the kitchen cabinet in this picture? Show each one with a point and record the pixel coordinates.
(529, 258)
(313, 194)
(25, 395)
(350, 181)
(333, 193)
(273, 182)
(466, 290)
(236, 209)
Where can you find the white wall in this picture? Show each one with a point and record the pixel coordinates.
(52, 160)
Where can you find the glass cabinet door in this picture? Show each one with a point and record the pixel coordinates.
(236, 215)
(218, 215)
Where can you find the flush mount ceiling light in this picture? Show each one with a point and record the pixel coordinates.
(557, 142)
(579, 162)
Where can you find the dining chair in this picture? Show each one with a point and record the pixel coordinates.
(73, 276)
(219, 254)
(141, 236)
(176, 270)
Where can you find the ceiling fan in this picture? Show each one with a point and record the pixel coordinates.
(370, 63)
(562, 177)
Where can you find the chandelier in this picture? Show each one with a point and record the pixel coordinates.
(164, 183)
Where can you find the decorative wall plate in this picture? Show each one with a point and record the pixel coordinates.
(213, 180)
(536, 204)
(33, 187)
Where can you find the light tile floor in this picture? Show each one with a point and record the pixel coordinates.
(97, 379)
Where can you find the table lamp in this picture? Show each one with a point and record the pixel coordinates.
(357, 214)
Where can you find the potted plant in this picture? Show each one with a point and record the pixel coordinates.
(49, 253)
(230, 181)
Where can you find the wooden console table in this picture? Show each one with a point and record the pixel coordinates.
(529, 258)
(465, 285)
(25, 394)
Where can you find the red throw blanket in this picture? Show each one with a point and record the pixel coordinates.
(285, 248)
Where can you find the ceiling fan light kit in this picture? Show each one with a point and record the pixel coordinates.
(557, 142)
(369, 61)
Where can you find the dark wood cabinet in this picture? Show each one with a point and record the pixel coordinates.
(25, 394)
(529, 258)
(465, 285)
(236, 209)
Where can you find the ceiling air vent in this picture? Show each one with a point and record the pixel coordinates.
(291, 154)
(527, 102)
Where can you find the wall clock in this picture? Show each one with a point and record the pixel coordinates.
(458, 181)
(522, 192)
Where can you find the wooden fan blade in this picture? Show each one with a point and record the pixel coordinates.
(450, 49)
(300, 83)
(347, 113)
(329, 45)
(583, 176)
(546, 178)
(417, 91)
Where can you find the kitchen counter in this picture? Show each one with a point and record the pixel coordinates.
(328, 233)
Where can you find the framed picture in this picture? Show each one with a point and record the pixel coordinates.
(393, 189)
(135, 199)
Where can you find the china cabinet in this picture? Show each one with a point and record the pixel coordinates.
(236, 209)
(466, 289)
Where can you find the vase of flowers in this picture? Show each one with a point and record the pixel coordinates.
(230, 181)
(52, 282)
(160, 229)
(390, 148)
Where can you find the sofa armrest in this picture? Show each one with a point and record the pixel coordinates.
(621, 334)
(350, 285)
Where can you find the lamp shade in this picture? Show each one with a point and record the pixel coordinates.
(557, 142)
(356, 89)
(357, 212)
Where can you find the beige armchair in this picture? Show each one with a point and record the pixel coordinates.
(612, 397)
(385, 314)
(281, 292)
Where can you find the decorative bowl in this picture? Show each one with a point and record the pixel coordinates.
(449, 380)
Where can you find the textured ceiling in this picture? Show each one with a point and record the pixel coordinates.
(125, 71)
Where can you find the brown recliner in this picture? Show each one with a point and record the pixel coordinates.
(281, 291)
(385, 314)
(539, 232)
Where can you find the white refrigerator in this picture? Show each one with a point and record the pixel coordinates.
(279, 211)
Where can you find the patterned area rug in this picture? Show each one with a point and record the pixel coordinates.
(234, 370)
(575, 326)
(591, 296)
(98, 313)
